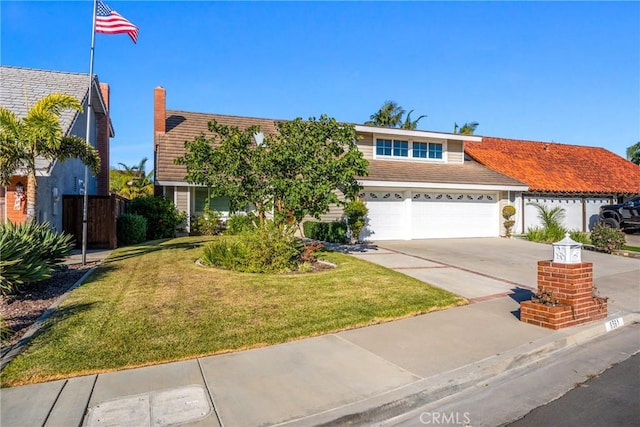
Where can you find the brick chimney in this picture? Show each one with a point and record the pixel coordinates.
(159, 110)
(103, 136)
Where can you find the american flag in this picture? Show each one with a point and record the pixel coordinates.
(109, 21)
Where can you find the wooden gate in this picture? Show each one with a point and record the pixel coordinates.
(102, 213)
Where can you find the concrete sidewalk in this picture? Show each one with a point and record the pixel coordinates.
(353, 377)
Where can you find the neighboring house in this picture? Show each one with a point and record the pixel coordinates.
(420, 184)
(20, 89)
(577, 178)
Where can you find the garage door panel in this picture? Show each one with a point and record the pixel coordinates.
(430, 215)
(442, 215)
(386, 218)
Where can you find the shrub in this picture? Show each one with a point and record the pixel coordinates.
(162, 216)
(131, 229)
(507, 212)
(265, 249)
(580, 236)
(545, 234)
(50, 246)
(356, 213)
(334, 232)
(238, 223)
(207, 224)
(607, 239)
(28, 252)
(228, 253)
(19, 264)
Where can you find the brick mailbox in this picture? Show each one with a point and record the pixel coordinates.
(565, 291)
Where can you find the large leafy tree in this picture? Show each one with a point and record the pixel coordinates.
(39, 135)
(465, 129)
(311, 159)
(294, 173)
(131, 181)
(633, 153)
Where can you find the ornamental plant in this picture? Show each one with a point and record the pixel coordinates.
(507, 213)
(607, 239)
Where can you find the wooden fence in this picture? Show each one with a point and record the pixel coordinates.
(102, 213)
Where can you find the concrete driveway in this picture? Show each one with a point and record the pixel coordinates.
(485, 268)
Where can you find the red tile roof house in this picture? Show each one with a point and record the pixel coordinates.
(579, 179)
(19, 90)
(420, 184)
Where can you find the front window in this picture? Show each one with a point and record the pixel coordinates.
(435, 150)
(403, 148)
(400, 148)
(420, 150)
(218, 204)
(383, 147)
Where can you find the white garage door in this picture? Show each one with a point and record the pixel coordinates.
(396, 215)
(572, 207)
(454, 215)
(387, 217)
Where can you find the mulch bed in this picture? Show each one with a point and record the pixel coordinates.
(20, 311)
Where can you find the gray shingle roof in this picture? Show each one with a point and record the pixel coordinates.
(21, 87)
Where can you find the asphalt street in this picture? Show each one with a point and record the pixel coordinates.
(610, 399)
(509, 397)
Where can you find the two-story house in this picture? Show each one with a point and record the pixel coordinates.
(20, 89)
(420, 184)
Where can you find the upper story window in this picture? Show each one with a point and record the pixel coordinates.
(414, 149)
(435, 150)
(388, 147)
(420, 150)
(383, 147)
(401, 148)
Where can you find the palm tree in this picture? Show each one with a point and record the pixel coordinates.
(389, 116)
(411, 124)
(131, 181)
(465, 129)
(633, 153)
(39, 135)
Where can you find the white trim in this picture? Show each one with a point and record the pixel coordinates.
(417, 133)
(176, 183)
(450, 186)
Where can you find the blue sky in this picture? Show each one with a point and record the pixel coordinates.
(566, 72)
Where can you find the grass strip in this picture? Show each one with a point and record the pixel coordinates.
(151, 303)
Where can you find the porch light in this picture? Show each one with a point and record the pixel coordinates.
(567, 251)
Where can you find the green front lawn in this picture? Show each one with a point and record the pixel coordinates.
(151, 303)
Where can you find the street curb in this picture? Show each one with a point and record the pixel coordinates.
(427, 390)
(19, 347)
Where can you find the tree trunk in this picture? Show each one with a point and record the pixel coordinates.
(31, 196)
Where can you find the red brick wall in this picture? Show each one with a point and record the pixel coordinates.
(16, 215)
(159, 109)
(572, 286)
(103, 136)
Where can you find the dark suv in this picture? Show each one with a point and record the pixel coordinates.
(625, 215)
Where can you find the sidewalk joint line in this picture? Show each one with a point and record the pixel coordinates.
(53, 405)
(86, 406)
(206, 385)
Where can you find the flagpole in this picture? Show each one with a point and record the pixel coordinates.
(88, 134)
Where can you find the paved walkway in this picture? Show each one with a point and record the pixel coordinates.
(352, 377)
